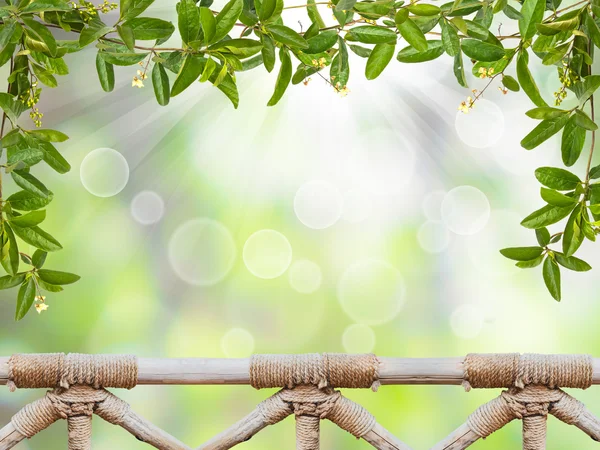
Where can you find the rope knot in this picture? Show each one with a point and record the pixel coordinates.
(310, 400)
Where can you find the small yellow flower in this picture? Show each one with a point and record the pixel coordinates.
(142, 75)
(39, 307)
(137, 83)
(322, 63)
(503, 90)
(41, 298)
(463, 108)
(306, 81)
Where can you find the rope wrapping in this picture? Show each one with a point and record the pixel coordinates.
(59, 370)
(512, 369)
(326, 370)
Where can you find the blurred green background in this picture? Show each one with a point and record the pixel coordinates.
(325, 224)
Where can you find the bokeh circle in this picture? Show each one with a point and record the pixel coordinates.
(104, 172)
(318, 204)
(358, 338)
(465, 210)
(371, 292)
(237, 343)
(305, 276)
(267, 254)
(147, 207)
(202, 252)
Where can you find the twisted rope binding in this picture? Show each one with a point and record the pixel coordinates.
(60, 370)
(513, 369)
(326, 370)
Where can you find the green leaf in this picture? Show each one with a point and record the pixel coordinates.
(522, 253)
(12, 107)
(57, 278)
(242, 48)
(39, 32)
(91, 33)
(544, 131)
(572, 263)
(434, 50)
(545, 216)
(188, 20)
(287, 36)
(595, 172)
(321, 42)
(284, 77)
(43, 75)
(47, 5)
(313, 13)
(543, 236)
(227, 18)
(26, 156)
(401, 16)
(552, 28)
(572, 142)
(26, 201)
(423, 9)
(482, 51)
(459, 70)
(38, 238)
(510, 83)
(526, 79)
(160, 82)
(267, 9)
(53, 158)
(363, 52)
(593, 30)
(122, 59)
(551, 273)
(370, 34)
(545, 112)
(586, 88)
(268, 52)
(39, 258)
(555, 198)
(10, 255)
(30, 219)
(530, 264)
(340, 69)
(209, 69)
(573, 236)
(190, 71)
(30, 183)
(49, 135)
(556, 178)
(532, 13)
(127, 36)
(25, 298)
(584, 121)
(450, 39)
(380, 57)
(133, 8)
(209, 24)
(10, 281)
(413, 35)
(106, 74)
(149, 29)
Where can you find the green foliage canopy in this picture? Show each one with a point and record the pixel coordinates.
(249, 34)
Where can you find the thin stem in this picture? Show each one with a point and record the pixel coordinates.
(593, 144)
(2, 133)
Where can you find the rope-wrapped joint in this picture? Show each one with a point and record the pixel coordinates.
(321, 370)
(55, 370)
(516, 370)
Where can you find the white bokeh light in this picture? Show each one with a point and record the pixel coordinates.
(433, 236)
(202, 252)
(267, 254)
(432, 205)
(305, 276)
(467, 321)
(358, 338)
(371, 292)
(465, 210)
(237, 343)
(482, 126)
(147, 207)
(104, 172)
(358, 205)
(318, 204)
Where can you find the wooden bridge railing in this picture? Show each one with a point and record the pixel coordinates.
(307, 390)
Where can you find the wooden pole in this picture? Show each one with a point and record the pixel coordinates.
(214, 371)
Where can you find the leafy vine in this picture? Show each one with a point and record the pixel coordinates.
(247, 34)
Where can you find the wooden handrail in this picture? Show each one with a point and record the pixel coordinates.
(216, 371)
